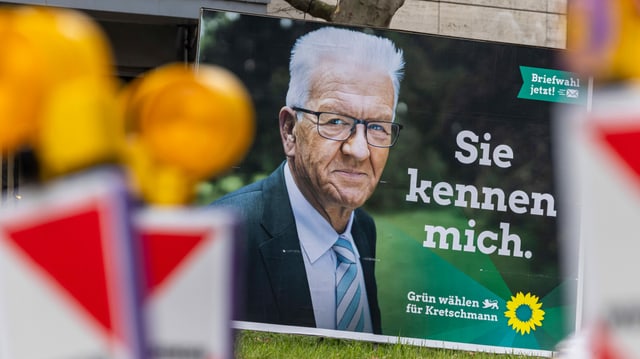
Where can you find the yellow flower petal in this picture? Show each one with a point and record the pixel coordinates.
(534, 320)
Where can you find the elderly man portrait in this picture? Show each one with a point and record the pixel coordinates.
(311, 249)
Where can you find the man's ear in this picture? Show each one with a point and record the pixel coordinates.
(288, 119)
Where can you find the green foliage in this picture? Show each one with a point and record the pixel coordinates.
(207, 192)
(254, 345)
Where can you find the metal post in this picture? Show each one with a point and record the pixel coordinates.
(2, 194)
(11, 161)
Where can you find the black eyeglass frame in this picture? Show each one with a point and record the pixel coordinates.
(356, 122)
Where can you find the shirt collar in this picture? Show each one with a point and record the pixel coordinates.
(315, 233)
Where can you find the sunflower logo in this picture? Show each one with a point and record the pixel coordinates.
(524, 313)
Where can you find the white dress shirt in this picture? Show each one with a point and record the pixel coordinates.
(316, 239)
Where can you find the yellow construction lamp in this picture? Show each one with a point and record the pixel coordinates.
(57, 89)
(602, 38)
(186, 125)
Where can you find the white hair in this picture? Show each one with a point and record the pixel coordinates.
(345, 46)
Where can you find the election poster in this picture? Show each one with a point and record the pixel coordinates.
(466, 211)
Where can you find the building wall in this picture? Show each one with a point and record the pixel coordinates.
(529, 22)
(145, 34)
(171, 9)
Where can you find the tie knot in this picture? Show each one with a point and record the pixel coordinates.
(344, 251)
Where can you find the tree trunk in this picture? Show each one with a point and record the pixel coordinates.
(315, 8)
(375, 13)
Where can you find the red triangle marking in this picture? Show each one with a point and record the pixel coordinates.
(603, 346)
(164, 252)
(69, 249)
(626, 143)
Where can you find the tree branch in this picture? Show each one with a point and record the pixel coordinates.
(315, 8)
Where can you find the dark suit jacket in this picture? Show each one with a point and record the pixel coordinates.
(276, 286)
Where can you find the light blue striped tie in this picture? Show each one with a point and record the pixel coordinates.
(349, 314)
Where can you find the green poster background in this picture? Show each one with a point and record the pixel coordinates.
(450, 85)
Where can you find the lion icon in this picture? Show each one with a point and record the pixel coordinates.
(488, 303)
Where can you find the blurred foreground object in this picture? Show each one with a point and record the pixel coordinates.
(185, 125)
(603, 38)
(191, 273)
(69, 282)
(84, 274)
(57, 90)
(599, 151)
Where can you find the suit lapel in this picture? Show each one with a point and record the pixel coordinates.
(282, 255)
(364, 237)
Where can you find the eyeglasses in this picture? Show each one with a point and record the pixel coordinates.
(337, 127)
